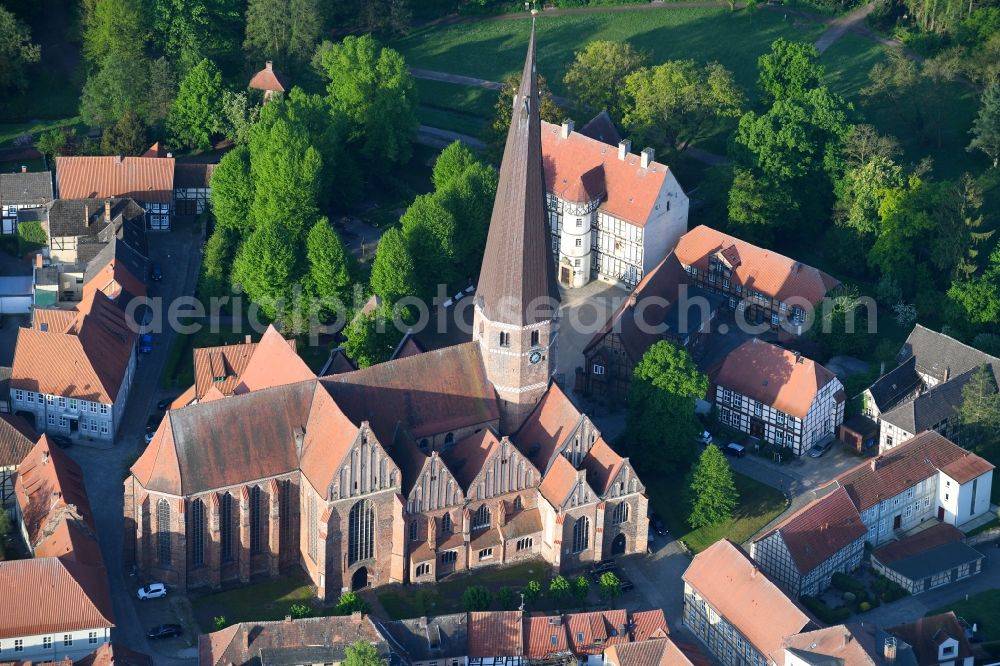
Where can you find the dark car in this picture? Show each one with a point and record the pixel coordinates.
(156, 272)
(735, 450)
(657, 524)
(164, 404)
(165, 631)
(62, 441)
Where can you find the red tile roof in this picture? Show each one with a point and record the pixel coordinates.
(495, 634)
(269, 79)
(967, 468)
(220, 367)
(926, 635)
(579, 168)
(548, 426)
(602, 465)
(922, 541)
(544, 635)
(649, 624)
(661, 652)
(49, 488)
(466, 458)
(17, 437)
(273, 363)
(817, 531)
(559, 481)
(147, 179)
(772, 375)
(592, 633)
(906, 465)
(755, 268)
(328, 439)
(838, 642)
(730, 582)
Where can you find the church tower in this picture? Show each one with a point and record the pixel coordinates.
(517, 300)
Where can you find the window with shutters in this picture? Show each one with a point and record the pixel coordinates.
(361, 532)
(163, 531)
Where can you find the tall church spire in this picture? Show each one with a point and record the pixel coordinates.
(517, 281)
(517, 299)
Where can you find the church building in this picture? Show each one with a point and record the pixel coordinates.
(446, 460)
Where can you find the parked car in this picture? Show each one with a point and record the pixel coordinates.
(657, 525)
(817, 450)
(152, 591)
(705, 438)
(62, 441)
(164, 404)
(146, 343)
(735, 450)
(627, 585)
(165, 631)
(156, 272)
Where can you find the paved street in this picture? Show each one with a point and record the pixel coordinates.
(104, 469)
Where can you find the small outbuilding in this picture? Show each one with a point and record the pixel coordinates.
(928, 559)
(859, 433)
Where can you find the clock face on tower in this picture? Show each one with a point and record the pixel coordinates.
(534, 357)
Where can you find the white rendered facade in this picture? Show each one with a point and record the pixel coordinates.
(54, 646)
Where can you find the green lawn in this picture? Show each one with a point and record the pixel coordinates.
(983, 609)
(468, 99)
(455, 121)
(446, 596)
(266, 600)
(759, 505)
(11, 131)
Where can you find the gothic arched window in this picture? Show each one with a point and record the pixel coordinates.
(361, 532)
(581, 534)
(197, 533)
(163, 531)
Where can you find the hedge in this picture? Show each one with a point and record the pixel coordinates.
(824, 612)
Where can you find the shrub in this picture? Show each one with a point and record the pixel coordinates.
(299, 611)
(507, 598)
(864, 607)
(532, 592)
(846, 583)
(824, 612)
(220, 622)
(850, 597)
(30, 237)
(476, 598)
(350, 602)
(887, 590)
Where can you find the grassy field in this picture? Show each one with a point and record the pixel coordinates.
(759, 505)
(267, 600)
(983, 609)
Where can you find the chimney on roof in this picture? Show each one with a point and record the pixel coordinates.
(648, 155)
(947, 374)
(288, 618)
(567, 129)
(624, 147)
(247, 340)
(24, 169)
(118, 159)
(45, 457)
(268, 66)
(889, 650)
(847, 638)
(169, 154)
(86, 215)
(798, 357)
(356, 617)
(107, 210)
(39, 260)
(753, 573)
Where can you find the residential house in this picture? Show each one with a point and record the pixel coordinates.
(661, 652)
(937, 640)
(73, 369)
(148, 180)
(924, 478)
(662, 307)
(23, 190)
(496, 639)
(804, 551)
(735, 610)
(777, 395)
(761, 286)
(193, 187)
(17, 438)
(928, 559)
(840, 645)
(58, 603)
(613, 215)
(456, 458)
(924, 391)
(270, 81)
(288, 642)
(442, 640)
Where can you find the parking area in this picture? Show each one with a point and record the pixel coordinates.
(174, 609)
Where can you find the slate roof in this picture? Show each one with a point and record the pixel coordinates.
(895, 385)
(730, 582)
(928, 552)
(430, 393)
(754, 267)
(939, 355)
(773, 376)
(602, 128)
(193, 175)
(926, 635)
(286, 642)
(428, 638)
(495, 634)
(17, 438)
(906, 465)
(517, 283)
(820, 529)
(147, 179)
(931, 407)
(87, 217)
(33, 188)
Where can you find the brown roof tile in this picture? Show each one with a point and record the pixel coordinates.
(466, 458)
(967, 468)
(838, 642)
(602, 465)
(549, 425)
(495, 634)
(773, 376)
(273, 363)
(517, 281)
(544, 635)
(661, 652)
(730, 582)
(147, 179)
(329, 436)
(559, 481)
(903, 466)
(193, 175)
(592, 633)
(17, 437)
(522, 523)
(48, 483)
(220, 367)
(649, 624)
(820, 529)
(269, 79)
(756, 268)
(601, 128)
(926, 635)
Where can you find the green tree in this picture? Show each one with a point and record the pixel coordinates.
(532, 592)
(56, 142)
(5, 530)
(220, 249)
(862, 193)
(788, 71)
(594, 79)
(118, 85)
(331, 268)
(451, 163)
(979, 412)
(126, 137)
(758, 205)
(285, 169)
(220, 622)
(914, 95)
(979, 297)
(394, 269)
(363, 653)
(863, 144)
(665, 386)
(507, 598)
(495, 134)
(677, 103)
(16, 51)
(162, 87)
(115, 29)
(298, 611)
(431, 235)
(581, 588)
(469, 198)
(372, 86)
(371, 338)
(189, 30)
(609, 586)
(283, 30)
(239, 114)
(712, 491)
(350, 602)
(560, 590)
(266, 267)
(233, 191)
(986, 128)
(476, 598)
(196, 113)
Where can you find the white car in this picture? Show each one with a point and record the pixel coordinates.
(152, 591)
